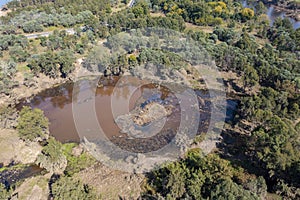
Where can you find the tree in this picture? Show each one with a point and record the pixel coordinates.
(32, 124)
(275, 145)
(260, 8)
(18, 53)
(53, 64)
(176, 180)
(250, 77)
(257, 186)
(66, 60)
(7, 73)
(32, 26)
(68, 188)
(193, 177)
(247, 13)
(52, 157)
(227, 189)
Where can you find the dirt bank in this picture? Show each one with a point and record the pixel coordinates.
(13, 149)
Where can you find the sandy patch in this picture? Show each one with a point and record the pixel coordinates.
(14, 149)
(35, 188)
(112, 184)
(4, 13)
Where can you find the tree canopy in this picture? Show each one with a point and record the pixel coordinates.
(32, 124)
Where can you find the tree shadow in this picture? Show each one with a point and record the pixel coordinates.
(234, 86)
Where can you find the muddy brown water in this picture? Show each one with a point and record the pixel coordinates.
(57, 105)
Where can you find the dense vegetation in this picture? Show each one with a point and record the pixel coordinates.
(32, 124)
(260, 151)
(199, 177)
(52, 157)
(68, 188)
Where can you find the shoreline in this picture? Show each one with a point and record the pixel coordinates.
(40, 83)
(292, 11)
(289, 11)
(294, 14)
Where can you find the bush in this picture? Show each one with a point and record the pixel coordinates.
(230, 190)
(68, 188)
(52, 157)
(32, 124)
(76, 163)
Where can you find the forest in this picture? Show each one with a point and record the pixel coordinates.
(259, 154)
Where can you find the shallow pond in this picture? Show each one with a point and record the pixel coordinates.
(57, 106)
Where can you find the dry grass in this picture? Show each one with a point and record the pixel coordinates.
(205, 29)
(112, 184)
(12, 148)
(35, 188)
(157, 14)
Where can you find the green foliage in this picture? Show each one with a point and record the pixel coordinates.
(284, 36)
(225, 35)
(277, 102)
(247, 13)
(7, 73)
(269, 60)
(6, 112)
(210, 13)
(76, 163)
(227, 189)
(257, 186)
(197, 177)
(53, 64)
(32, 124)
(250, 77)
(18, 53)
(175, 182)
(247, 42)
(287, 191)
(36, 20)
(67, 188)
(32, 26)
(5, 193)
(275, 145)
(12, 40)
(139, 17)
(64, 6)
(52, 157)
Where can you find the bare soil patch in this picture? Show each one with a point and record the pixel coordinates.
(14, 149)
(112, 184)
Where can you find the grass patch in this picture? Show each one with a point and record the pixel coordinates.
(23, 67)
